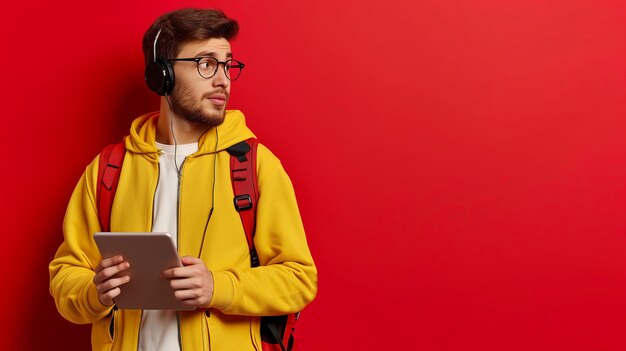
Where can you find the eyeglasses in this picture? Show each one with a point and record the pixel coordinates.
(208, 66)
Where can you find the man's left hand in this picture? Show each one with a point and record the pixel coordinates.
(193, 283)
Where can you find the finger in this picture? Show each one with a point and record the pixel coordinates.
(112, 283)
(178, 272)
(168, 273)
(108, 262)
(109, 272)
(192, 303)
(186, 283)
(191, 294)
(107, 298)
(201, 302)
(190, 260)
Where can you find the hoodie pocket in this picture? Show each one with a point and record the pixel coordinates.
(102, 333)
(232, 332)
(255, 332)
(206, 338)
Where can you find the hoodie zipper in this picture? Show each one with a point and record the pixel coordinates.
(159, 152)
(180, 180)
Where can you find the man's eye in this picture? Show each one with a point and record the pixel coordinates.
(205, 64)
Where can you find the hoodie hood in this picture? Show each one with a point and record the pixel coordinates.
(143, 134)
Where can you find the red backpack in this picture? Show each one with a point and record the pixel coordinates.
(276, 331)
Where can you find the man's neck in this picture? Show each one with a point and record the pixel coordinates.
(186, 132)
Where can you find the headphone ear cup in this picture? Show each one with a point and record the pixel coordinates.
(159, 76)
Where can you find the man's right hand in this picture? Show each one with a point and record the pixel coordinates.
(107, 287)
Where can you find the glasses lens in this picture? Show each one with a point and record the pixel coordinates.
(207, 67)
(233, 69)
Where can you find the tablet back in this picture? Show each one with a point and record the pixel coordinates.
(149, 254)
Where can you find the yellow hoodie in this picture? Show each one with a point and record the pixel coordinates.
(285, 282)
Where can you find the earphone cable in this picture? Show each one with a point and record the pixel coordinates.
(173, 136)
(206, 225)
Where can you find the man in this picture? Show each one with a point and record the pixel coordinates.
(176, 179)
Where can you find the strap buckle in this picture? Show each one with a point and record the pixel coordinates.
(243, 202)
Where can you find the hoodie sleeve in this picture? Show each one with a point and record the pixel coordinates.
(72, 269)
(286, 281)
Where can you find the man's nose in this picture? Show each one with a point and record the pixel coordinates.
(220, 78)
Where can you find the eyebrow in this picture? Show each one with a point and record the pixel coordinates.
(212, 54)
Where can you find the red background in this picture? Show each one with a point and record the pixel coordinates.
(460, 165)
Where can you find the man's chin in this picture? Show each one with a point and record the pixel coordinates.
(206, 119)
(214, 122)
(202, 114)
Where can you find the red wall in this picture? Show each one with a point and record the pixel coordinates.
(460, 165)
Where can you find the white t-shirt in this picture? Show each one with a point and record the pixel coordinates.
(159, 328)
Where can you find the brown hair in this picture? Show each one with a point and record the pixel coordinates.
(184, 25)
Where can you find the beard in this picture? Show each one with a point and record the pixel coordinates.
(184, 105)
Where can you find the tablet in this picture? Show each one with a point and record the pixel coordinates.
(149, 254)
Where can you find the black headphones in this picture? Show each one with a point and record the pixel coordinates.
(159, 73)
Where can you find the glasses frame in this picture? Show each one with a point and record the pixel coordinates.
(223, 63)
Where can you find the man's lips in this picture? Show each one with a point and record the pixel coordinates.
(217, 99)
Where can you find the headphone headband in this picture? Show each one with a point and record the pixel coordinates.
(154, 45)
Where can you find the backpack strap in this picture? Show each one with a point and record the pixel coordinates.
(276, 331)
(109, 169)
(290, 327)
(245, 188)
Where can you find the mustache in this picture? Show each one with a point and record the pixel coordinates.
(222, 92)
